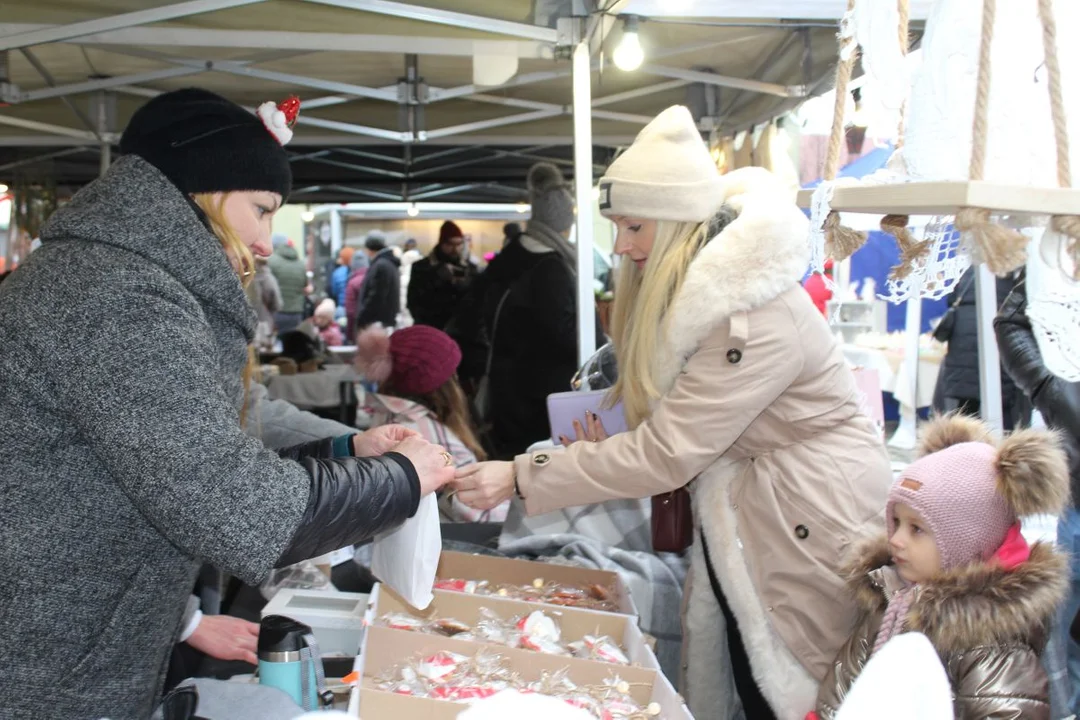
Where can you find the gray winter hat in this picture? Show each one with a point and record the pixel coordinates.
(550, 197)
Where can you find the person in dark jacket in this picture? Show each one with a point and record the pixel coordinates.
(438, 283)
(122, 437)
(529, 309)
(291, 275)
(380, 296)
(1058, 401)
(958, 382)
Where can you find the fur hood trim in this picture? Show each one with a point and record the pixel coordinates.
(759, 256)
(975, 605)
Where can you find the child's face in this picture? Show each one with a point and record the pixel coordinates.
(914, 550)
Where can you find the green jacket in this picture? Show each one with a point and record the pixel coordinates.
(291, 274)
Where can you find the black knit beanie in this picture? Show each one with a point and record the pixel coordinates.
(204, 143)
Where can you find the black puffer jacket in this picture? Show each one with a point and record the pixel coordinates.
(1057, 400)
(351, 499)
(960, 370)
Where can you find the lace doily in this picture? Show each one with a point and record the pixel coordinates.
(1054, 306)
(937, 275)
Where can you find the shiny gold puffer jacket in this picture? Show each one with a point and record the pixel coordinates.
(988, 625)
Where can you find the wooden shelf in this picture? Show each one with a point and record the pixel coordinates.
(944, 198)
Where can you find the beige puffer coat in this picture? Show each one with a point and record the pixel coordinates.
(988, 625)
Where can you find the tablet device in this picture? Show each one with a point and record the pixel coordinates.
(564, 408)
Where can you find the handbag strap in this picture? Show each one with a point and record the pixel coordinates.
(495, 330)
(963, 291)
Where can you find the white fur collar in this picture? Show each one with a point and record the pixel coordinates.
(759, 256)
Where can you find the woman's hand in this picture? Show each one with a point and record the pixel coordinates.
(433, 464)
(485, 485)
(226, 638)
(592, 431)
(380, 440)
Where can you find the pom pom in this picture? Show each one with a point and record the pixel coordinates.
(276, 122)
(1033, 472)
(544, 177)
(373, 358)
(948, 430)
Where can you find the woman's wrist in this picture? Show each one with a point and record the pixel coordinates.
(514, 477)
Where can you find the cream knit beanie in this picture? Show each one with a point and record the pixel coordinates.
(667, 174)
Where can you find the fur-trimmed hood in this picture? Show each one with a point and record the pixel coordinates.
(755, 259)
(979, 604)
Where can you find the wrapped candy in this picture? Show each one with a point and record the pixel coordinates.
(536, 631)
(590, 597)
(455, 678)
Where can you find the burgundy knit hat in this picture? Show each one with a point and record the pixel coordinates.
(970, 491)
(415, 360)
(449, 230)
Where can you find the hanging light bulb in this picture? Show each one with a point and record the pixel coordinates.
(522, 207)
(412, 210)
(628, 53)
(308, 216)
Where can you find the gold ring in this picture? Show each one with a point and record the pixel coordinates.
(448, 458)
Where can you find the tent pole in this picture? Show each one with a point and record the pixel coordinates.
(583, 184)
(986, 307)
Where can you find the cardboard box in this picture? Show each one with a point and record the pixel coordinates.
(384, 649)
(496, 570)
(574, 623)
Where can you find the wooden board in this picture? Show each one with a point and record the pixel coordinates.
(945, 198)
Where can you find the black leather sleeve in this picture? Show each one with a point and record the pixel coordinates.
(1020, 354)
(323, 448)
(352, 500)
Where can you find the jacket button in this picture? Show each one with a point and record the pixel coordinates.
(802, 532)
(542, 459)
(734, 356)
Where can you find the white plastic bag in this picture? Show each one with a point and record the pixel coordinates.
(406, 559)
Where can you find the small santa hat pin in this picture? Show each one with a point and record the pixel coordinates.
(280, 118)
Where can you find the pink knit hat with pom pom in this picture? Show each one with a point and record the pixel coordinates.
(970, 490)
(415, 360)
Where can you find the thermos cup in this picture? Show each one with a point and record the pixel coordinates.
(289, 661)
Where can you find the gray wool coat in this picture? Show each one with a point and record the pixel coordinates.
(123, 465)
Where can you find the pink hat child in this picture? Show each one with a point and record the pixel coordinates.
(961, 503)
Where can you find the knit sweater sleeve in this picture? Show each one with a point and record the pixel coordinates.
(151, 405)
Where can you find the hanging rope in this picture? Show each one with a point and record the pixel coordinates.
(1067, 225)
(1001, 248)
(840, 241)
(912, 251)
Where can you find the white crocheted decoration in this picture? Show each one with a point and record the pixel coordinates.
(1054, 305)
(937, 275)
(275, 122)
(1020, 140)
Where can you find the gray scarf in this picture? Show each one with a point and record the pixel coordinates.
(547, 237)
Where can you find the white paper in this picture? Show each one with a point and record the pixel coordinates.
(406, 559)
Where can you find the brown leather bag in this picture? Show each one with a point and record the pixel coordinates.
(672, 521)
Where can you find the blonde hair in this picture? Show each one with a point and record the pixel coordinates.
(639, 318)
(243, 263)
(213, 205)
